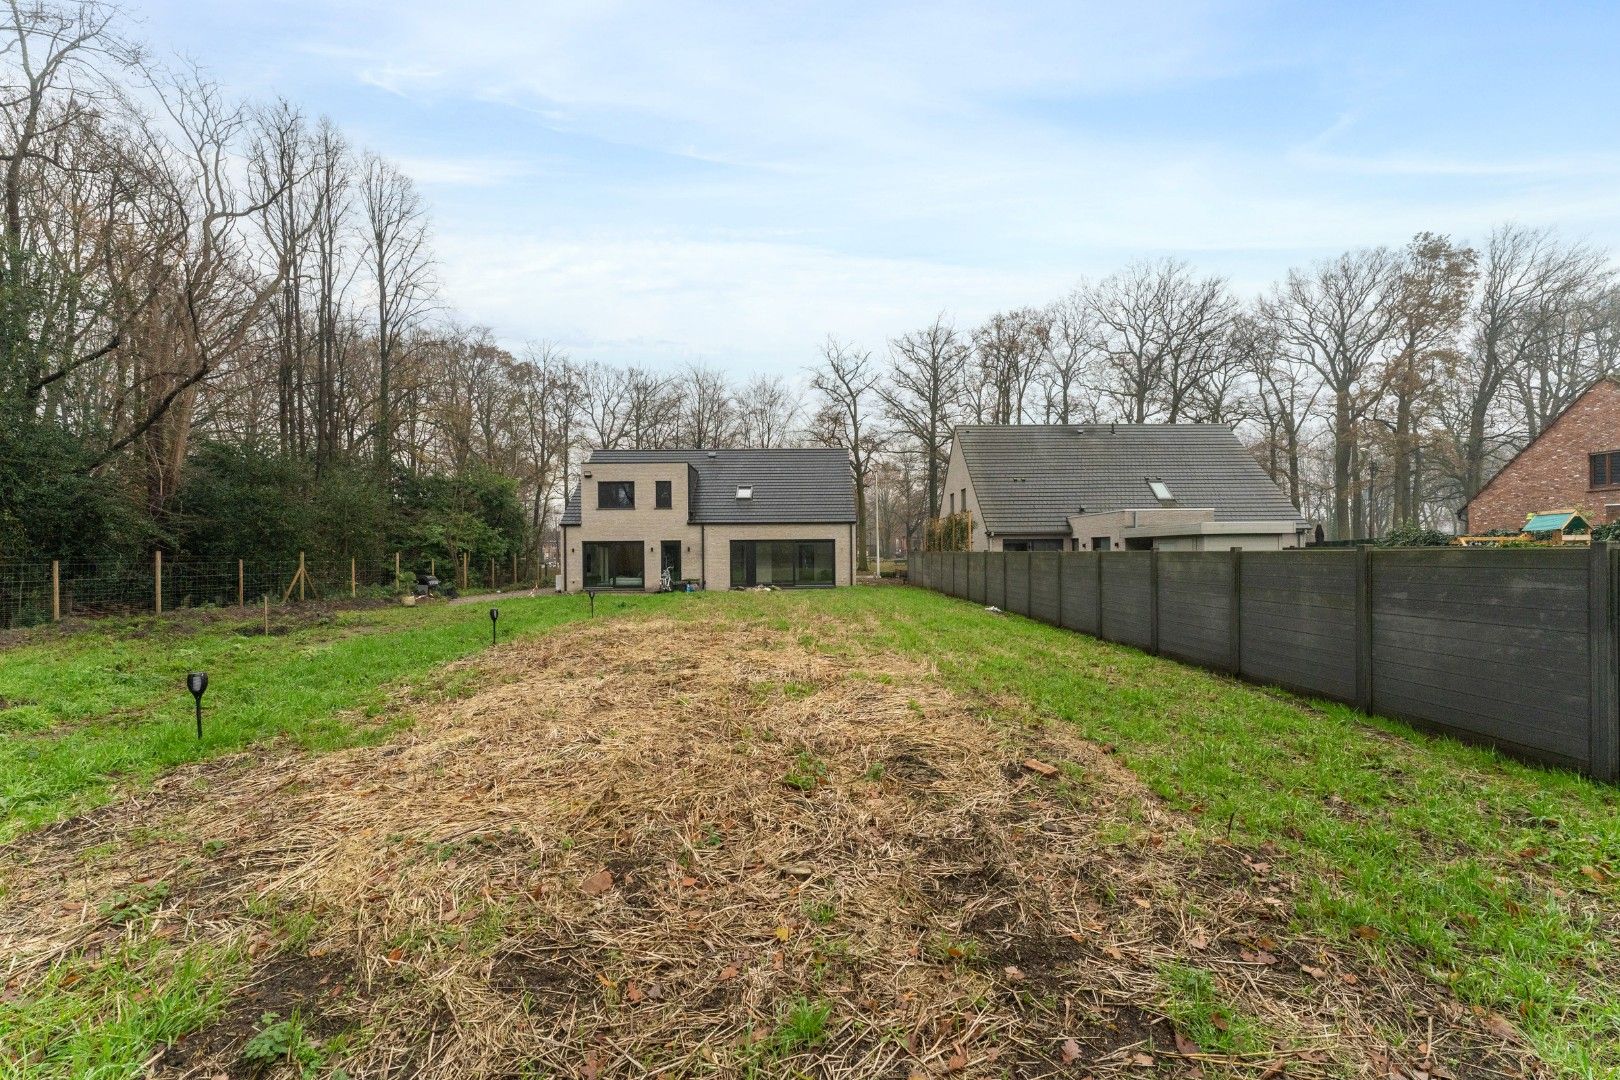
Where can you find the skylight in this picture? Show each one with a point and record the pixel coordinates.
(1161, 491)
(745, 492)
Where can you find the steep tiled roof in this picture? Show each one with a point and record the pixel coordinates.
(790, 486)
(1030, 477)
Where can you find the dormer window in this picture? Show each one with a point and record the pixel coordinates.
(745, 491)
(1161, 491)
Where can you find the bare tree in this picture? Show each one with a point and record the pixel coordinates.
(397, 258)
(708, 411)
(1336, 317)
(920, 396)
(767, 413)
(846, 379)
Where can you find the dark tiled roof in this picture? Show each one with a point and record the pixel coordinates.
(1030, 477)
(790, 486)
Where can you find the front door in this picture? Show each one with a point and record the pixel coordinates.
(669, 561)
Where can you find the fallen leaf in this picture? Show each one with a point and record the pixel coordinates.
(597, 884)
(1313, 972)
(1260, 957)
(395, 953)
(1185, 1046)
(1144, 1060)
(1501, 1027)
(688, 882)
(1013, 973)
(957, 1062)
(728, 973)
(1219, 1020)
(1199, 940)
(1112, 953)
(1597, 876)
(1368, 933)
(783, 933)
(1070, 1052)
(1041, 767)
(1348, 979)
(632, 993)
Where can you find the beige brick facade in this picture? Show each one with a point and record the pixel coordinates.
(705, 548)
(1554, 472)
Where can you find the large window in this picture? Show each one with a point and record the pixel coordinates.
(615, 495)
(1605, 469)
(663, 494)
(802, 563)
(614, 564)
(1032, 545)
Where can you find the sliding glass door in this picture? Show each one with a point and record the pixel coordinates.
(617, 564)
(784, 563)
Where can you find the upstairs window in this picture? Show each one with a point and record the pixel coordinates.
(1161, 491)
(663, 494)
(615, 495)
(1605, 469)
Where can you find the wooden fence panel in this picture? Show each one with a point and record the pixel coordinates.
(1127, 597)
(1298, 618)
(1080, 593)
(1045, 600)
(1495, 650)
(1195, 607)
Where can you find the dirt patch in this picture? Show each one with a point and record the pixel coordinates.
(638, 852)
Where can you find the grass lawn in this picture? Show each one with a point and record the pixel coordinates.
(84, 712)
(1362, 875)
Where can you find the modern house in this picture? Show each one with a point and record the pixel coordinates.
(1574, 462)
(718, 519)
(1097, 487)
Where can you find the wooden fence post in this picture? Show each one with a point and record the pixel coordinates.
(1364, 628)
(1153, 601)
(351, 578)
(465, 555)
(300, 577)
(157, 582)
(266, 614)
(1234, 620)
(56, 590)
(1604, 733)
(514, 570)
(241, 583)
(492, 572)
(396, 570)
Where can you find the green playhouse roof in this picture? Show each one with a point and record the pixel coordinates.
(1564, 521)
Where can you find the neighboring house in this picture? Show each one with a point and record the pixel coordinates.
(718, 518)
(1574, 462)
(1096, 487)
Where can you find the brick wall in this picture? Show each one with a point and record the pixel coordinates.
(1552, 473)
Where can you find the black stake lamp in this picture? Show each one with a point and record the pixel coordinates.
(494, 613)
(592, 594)
(197, 682)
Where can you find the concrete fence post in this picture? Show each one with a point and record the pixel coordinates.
(1604, 735)
(1234, 615)
(1153, 601)
(1364, 628)
(1057, 583)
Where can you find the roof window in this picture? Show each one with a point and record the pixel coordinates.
(1161, 491)
(745, 491)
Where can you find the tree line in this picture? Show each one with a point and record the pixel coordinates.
(221, 333)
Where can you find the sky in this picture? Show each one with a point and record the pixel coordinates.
(670, 182)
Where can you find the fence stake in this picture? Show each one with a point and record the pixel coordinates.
(1153, 601)
(266, 614)
(300, 577)
(433, 568)
(56, 590)
(1604, 725)
(492, 581)
(1234, 619)
(514, 570)
(396, 569)
(157, 582)
(1364, 627)
(241, 582)
(464, 557)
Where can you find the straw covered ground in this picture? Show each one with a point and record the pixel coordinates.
(693, 847)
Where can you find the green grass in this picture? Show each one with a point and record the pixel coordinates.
(1496, 878)
(81, 713)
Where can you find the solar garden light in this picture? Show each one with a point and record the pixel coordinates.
(494, 613)
(592, 594)
(197, 682)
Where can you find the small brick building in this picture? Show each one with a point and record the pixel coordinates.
(1573, 464)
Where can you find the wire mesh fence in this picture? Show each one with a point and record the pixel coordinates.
(33, 592)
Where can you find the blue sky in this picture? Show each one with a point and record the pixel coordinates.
(665, 182)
